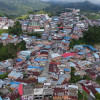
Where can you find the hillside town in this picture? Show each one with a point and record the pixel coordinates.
(49, 69)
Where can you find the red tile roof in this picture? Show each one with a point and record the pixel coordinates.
(56, 63)
(69, 54)
(20, 89)
(73, 98)
(28, 81)
(58, 90)
(53, 68)
(13, 95)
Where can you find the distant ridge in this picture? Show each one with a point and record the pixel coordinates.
(14, 8)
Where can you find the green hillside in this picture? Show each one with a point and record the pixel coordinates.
(14, 8)
(56, 7)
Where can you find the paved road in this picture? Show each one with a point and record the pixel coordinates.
(89, 97)
(45, 71)
(55, 45)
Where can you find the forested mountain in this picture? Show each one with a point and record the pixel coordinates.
(14, 8)
(57, 7)
(20, 7)
(86, 5)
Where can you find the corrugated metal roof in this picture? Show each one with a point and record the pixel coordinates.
(60, 81)
(15, 82)
(98, 90)
(19, 60)
(40, 59)
(67, 38)
(1, 98)
(42, 79)
(41, 68)
(66, 69)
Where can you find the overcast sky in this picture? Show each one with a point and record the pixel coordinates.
(94, 1)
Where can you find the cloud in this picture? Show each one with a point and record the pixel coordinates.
(94, 1)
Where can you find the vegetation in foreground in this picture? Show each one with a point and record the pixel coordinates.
(97, 95)
(3, 76)
(38, 35)
(90, 37)
(80, 95)
(10, 50)
(74, 78)
(98, 80)
(16, 29)
(93, 16)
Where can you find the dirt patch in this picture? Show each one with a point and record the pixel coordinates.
(97, 46)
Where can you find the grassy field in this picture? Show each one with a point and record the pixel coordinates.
(23, 17)
(91, 15)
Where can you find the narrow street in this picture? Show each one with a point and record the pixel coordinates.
(89, 97)
(45, 71)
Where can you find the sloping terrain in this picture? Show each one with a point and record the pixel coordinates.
(15, 8)
(19, 7)
(86, 5)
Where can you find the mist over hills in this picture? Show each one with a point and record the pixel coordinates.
(86, 5)
(15, 8)
(57, 7)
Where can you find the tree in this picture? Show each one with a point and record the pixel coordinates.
(50, 98)
(16, 29)
(1, 93)
(25, 75)
(98, 79)
(97, 96)
(18, 99)
(3, 31)
(3, 75)
(38, 35)
(92, 36)
(59, 24)
(85, 95)
(10, 50)
(87, 77)
(74, 78)
(80, 95)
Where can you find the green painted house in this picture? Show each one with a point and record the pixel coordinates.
(34, 24)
